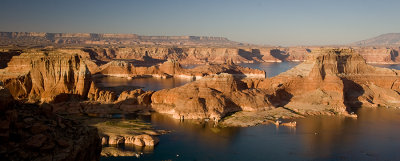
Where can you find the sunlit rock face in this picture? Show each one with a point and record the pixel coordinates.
(240, 54)
(45, 77)
(334, 81)
(172, 68)
(340, 79)
(211, 97)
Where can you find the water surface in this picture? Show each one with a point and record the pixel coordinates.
(271, 69)
(373, 136)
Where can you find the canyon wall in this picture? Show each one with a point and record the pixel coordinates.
(41, 38)
(202, 55)
(32, 132)
(172, 68)
(334, 81)
(46, 77)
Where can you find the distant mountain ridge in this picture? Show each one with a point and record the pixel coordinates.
(43, 38)
(390, 39)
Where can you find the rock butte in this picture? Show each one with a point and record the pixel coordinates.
(331, 82)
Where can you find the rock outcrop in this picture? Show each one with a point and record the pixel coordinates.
(64, 80)
(46, 77)
(172, 68)
(335, 81)
(338, 79)
(211, 97)
(32, 133)
(41, 38)
(203, 55)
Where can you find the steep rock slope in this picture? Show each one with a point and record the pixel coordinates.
(335, 81)
(202, 55)
(32, 133)
(173, 68)
(47, 76)
(211, 97)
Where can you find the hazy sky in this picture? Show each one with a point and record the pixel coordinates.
(274, 22)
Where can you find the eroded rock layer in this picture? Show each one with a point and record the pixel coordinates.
(47, 77)
(172, 68)
(42, 38)
(29, 132)
(334, 81)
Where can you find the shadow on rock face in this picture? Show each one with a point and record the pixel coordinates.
(351, 92)
(255, 53)
(280, 98)
(6, 57)
(393, 55)
(281, 55)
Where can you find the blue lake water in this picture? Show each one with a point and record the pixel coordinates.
(373, 136)
(272, 69)
(155, 84)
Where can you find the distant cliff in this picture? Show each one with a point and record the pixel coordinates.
(390, 39)
(42, 38)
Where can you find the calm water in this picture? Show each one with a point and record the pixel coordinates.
(373, 136)
(272, 69)
(156, 84)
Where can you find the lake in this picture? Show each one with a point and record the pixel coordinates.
(156, 84)
(373, 136)
(271, 69)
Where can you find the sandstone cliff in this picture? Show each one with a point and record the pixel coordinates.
(334, 81)
(203, 55)
(32, 133)
(41, 38)
(211, 97)
(46, 77)
(172, 68)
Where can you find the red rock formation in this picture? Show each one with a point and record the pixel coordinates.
(41, 38)
(333, 82)
(32, 133)
(173, 68)
(210, 97)
(48, 77)
(202, 55)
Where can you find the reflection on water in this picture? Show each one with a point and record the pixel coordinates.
(373, 136)
(390, 66)
(153, 84)
(272, 69)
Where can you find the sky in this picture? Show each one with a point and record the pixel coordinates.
(264, 22)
